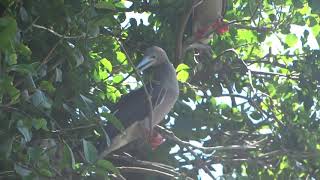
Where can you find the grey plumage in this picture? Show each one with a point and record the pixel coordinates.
(205, 14)
(133, 109)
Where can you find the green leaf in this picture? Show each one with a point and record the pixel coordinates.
(284, 163)
(117, 79)
(6, 146)
(90, 152)
(86, 100)
(27, 134)
(39, 99)
(78, 57)
(112, 93)
(68, 156)
(34, 153)
(256, 115)
(315, 6)
(105, 5)
(182, 67)
(107, 165)
(58, 75)
(8, 29)
(40, 123)
(45, 172)
(23, 14)
(113, 120)
(246, 35)
(315, 30)
(121, 57)
(291, 40)
(213, 101)
(21, 170)
(183, 76)
(23, 50)
(47, 86)
(107, 64)
(12, 59)
(24, 68)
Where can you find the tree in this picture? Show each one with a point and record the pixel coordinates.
(251, 106)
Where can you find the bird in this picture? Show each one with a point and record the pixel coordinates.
(133, 109)
(207, 17)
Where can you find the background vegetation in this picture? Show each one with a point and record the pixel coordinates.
(254, 103)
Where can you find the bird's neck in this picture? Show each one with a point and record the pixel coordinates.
(164, 72)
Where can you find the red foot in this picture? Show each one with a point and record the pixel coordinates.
(219, 26)
(156, 140)
(223, 28)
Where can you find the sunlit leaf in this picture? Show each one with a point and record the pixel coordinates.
(117, 79)
(107, 64)
(121, 57)
(291, 40)
(182, 67)
(247, 35)
(183, 76)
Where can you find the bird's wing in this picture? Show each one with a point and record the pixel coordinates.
(135, 106)
(131, 110)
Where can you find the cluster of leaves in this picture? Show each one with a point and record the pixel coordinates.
(62, 66)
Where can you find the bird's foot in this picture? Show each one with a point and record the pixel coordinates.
(155, 139)
(219, 26)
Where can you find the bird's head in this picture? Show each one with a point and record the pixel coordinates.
(153, 56)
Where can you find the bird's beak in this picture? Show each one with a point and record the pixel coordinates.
(146, 63)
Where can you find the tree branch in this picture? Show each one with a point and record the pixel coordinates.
(141, 170)
(171, 136)
(57, 34)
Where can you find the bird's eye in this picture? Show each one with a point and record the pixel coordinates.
(153, 57)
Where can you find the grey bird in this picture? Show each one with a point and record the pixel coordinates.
(206, 17)
(133, 109)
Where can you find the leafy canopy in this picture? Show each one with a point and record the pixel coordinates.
(254, 102)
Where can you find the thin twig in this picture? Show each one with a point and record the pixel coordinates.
(293, 77)
(46, 59)
(74, 128)
(146, 171)
(170, 135)
(202, 164)
(57, 34)
(148, 164)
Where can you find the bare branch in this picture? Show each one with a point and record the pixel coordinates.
(145, 171)
(151, 165)
(170, 135)
(57, 34)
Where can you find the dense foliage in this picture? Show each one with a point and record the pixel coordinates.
(254, 102)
